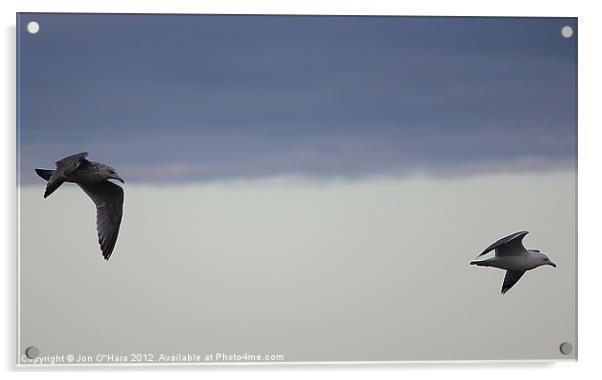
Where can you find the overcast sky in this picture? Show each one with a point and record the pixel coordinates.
(279, 265)
(172, 98)
(372, 269)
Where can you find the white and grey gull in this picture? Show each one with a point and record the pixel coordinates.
(511, 255)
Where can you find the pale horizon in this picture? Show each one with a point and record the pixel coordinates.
(345, 270)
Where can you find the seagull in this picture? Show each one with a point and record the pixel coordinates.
(93, 178)
(510, 254)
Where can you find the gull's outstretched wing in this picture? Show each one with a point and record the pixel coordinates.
(511, 245)
(64, 167)
(108, 198)
(511, 278)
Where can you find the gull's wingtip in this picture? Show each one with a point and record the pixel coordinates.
(106, 255)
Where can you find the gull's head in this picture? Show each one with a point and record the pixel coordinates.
(110, 173)
(542, 259)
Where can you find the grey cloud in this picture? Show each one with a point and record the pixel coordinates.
(284, 95)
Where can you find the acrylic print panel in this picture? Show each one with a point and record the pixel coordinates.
(295, 189)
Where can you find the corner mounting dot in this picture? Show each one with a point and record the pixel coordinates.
(566, 348)
(566, 31)
(33, 27)
(32, 352)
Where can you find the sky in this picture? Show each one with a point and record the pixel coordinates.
(200, 97)
(370, 269)
(435, 137)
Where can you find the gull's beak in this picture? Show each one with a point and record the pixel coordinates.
(552, 264)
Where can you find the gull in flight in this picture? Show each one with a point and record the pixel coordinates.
(93, 178)
(511, 255)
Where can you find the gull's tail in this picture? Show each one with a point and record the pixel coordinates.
(53, 182)
(44, 173)
(483, 263)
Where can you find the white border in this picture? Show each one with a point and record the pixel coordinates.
(293, 364)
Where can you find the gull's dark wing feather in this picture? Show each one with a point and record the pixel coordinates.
(108, 198)
(64, 168)
(511, 278)
(71, 163)
(510, 245)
